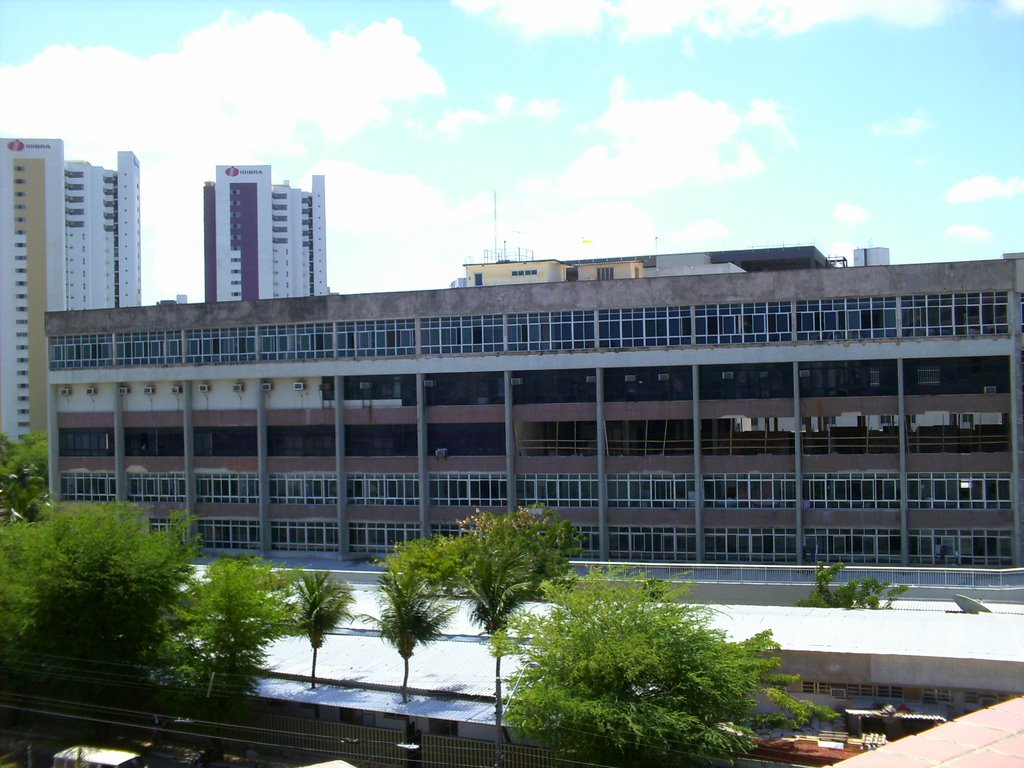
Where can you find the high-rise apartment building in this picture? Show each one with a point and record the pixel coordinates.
(262, 240)
(69, 239)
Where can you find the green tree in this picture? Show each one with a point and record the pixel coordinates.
(535, 537)
(24, 483)
(229, 615)
(856, 593)
(323, 604)
(87, 593)
(411, 614)
(615, 675)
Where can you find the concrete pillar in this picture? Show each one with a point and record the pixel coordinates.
(120, 475)
(188, 432)
(798, 465)
(698, 480)
(510, 444)
(341, 507)
(53, 443)
(602, 466)
(902, 419)
(421, 458)
(263, 472)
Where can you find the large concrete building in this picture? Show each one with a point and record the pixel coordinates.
(69, 239)
(263, 240)
(870, 415)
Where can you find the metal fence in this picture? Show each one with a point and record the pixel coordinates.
(959, 578)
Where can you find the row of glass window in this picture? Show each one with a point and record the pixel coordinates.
(870, 546)
(963, 314)
(842, 490)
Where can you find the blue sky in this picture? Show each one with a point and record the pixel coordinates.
(636, 125)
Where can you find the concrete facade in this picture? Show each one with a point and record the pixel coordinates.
(869, 415)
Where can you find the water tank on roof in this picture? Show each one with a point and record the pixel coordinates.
(870, 257)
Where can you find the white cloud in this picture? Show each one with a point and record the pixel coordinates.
(182, 121)
(1013, 6)
(656, 144)
(721, 19)
(910, 125)
(849, 214)
(545, 109)
(984, 188)
(766, 112)
(537, 18)
(503, 107)
(452, 123)
(968, 232)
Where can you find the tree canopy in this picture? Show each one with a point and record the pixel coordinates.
(24, 485)
(617, 673)
(411, 614)
(87, 592)
(322, 604)
(533, 539)
(856, 593)
(230, 614)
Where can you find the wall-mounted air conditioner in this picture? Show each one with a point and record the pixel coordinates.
(838, 693)
(149, 389)
(990, 390)
(90, 390)
(515, 381)
(630, 377)
(65, 391)
(298, 386)
(203, 387)
(266, 386)
(239, 386)
(662, 377)
(124, 389)
(176, 389)
(727, 374)
(441, 453)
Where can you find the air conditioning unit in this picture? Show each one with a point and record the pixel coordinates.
(176, 389)
(149, 389)
(629, 377)
(662, 377)
(515, 381)
(990, 390)
(266, 386)
(428, 383)
(727, 375)
(203, 387)
(65, 391)
(838, 693)
(124, 389)
(298, 386)
(804, 373)
(591, 379)
(441, 453)
(90, 390)
(239, 386)
(365, 385)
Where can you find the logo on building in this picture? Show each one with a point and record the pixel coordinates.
(15, 146)
(232, 171)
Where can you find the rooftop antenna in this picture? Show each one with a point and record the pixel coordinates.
(495, 222)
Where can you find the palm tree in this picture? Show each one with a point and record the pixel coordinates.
(497, 584)
(410, 614)
(323, 604)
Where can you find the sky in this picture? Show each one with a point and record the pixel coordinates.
(571, 128)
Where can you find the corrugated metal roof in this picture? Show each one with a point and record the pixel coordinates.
(460, 710)
(996, 637)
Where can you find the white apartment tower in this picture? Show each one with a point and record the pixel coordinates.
(262, 240)
(69, 239)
